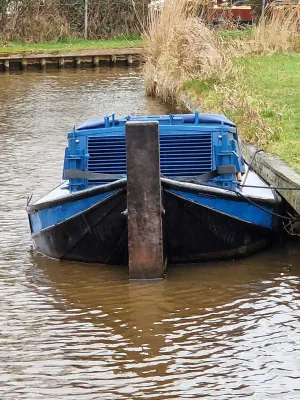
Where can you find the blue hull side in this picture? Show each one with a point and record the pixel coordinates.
(45, 218)
(97, 234)
(193, 231)
(242, 210)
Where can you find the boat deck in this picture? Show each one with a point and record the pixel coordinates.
(252, 179)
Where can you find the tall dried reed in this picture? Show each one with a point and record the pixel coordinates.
(179, 47)
(277, 30)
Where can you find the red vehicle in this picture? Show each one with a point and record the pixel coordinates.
(239, 11)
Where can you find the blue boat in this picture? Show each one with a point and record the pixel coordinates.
(216, 207)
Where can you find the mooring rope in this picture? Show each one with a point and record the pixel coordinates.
(267, 187)
(268, 211)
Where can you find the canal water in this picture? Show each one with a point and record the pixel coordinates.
(227, 330)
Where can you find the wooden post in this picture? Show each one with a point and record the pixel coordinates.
(61, 62)
(43, 63)
(96, 61)
(85, 19)
(145, 242)
(6, 65)
(114, 59)
(24, 63)
(78, 62)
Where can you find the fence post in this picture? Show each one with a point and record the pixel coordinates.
(85, 19)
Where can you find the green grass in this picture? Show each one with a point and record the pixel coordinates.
(10, 47)
(199, 87)
(7, 48)
(276, 81)
(242, 33)
(271, 86)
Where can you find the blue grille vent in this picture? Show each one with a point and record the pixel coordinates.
(187, 154)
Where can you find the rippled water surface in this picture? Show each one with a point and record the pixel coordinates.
(71, 331)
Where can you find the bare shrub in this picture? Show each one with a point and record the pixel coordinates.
(32, 21)
(43, 20)
(107, 18)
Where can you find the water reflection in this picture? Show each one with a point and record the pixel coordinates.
(68, 330)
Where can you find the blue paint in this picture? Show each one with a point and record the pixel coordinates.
(238, 209)
(190, 145)
(47, 217)
(163, 119)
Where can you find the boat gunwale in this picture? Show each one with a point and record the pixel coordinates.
(82, 194)
(166, 183)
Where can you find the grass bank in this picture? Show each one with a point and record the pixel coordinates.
(263, 99)
(275, 81)
(250, 76)
(7, 47)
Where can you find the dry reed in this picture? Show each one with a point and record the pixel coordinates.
(179, 47)
(248, 113)
(277, 30)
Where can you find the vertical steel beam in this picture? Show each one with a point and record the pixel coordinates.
(145, 240)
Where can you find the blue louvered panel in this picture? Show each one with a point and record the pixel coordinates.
(107, 154)
(186, 154)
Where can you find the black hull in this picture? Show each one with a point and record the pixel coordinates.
(196, 233)
(192, 233)
(98, 235)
